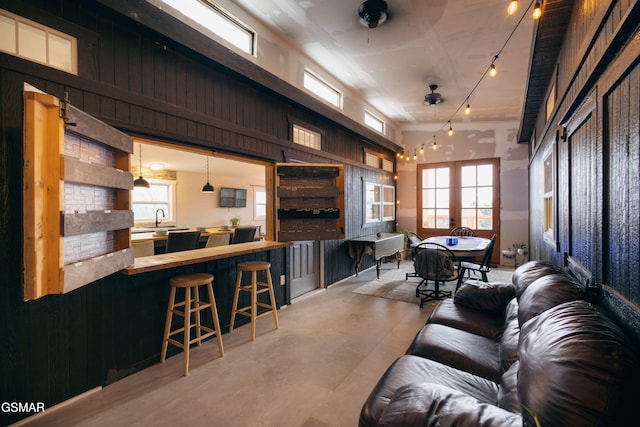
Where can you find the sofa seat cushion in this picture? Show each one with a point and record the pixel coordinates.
(477, 322)
(577, 367)
(459, 349)
(427, 404)
(410, 369)
(508, 389)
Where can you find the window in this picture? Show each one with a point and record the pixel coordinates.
(387, 165)
(373, 122)
(548, 183)
(260, 203)
(307, 137)
(372, 160)
(30, 40)
(322, 89)
(212, 19)
(379, 202)
(436, 191)
(146, 201)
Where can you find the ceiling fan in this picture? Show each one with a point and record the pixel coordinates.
(433, 98)
(373, 13)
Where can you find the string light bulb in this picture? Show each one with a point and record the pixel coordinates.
(537, 11)
(467, 110)
(492, 70)
(450, 129)
(415, 156)
(435, 144)
(422, 149)
(513, 7)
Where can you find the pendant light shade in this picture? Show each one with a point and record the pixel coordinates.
(208, 188)
(140, 182)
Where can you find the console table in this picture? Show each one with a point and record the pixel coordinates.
(381, 245)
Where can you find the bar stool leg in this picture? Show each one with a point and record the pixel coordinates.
(235, 300)
(254, 303)
(196, 305)
(167, 324)
(272, 297)
(214, 314)
(187, 328)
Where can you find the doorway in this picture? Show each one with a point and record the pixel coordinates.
(304, 264)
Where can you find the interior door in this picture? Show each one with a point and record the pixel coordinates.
(465, 193)
(304, 263)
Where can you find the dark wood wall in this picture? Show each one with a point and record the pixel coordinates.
(595, 134)
(146, 85)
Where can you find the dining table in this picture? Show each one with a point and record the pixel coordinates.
(466, 246)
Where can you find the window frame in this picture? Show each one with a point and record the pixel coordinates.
(170, 218)
(377, 120)
(381, 202)
(338, 103)
(549, 201)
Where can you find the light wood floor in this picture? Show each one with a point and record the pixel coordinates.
(316, 370)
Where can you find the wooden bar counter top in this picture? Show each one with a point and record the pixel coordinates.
(177, 259)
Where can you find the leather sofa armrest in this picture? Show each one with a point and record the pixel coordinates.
(429, 404)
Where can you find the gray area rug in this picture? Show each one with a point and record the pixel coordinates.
(393, 285)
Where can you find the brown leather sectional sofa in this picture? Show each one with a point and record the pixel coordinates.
(534, 352)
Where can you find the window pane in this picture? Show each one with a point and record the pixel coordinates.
(373, 212)
(60, 52)
(428, 198)
(469, 218)
(373, 122)
(485, 197)
(147, 212)
(428, 218)
(8, 31)
(485, 175)
(388, 211)
(32, 43)
(428, 178)
(322, 89)
(373, 193)
(389, 194)
(442, 219)
(261, 210)
(468, 176)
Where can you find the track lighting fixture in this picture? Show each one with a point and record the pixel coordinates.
(208, 188)
(140, 182)
(513, 7)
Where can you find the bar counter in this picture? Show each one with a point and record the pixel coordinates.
(196, 256)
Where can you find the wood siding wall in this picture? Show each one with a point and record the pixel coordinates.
(140, 82)
(595, 132)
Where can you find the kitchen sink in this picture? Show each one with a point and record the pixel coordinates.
(160, 227)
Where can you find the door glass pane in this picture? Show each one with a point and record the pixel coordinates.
(428, 218)
(468, 196)
(485, 197)
(469, 218)
(485, 219)
(468, 176)
(442, 177)
(442, 198)
(442, 218)
(428, 198)
(485, 175)
(428, 178)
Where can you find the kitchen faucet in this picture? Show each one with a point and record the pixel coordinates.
(159, 221)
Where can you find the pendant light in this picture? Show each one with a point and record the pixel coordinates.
(208, 188)
(140, 182)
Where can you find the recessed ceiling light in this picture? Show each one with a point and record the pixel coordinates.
(156, 166)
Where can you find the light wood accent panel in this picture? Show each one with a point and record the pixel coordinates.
(43, 143)
(94, 174)
(74, 224)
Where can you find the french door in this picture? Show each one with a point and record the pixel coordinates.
(464, 193)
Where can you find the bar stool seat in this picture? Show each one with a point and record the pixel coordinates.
(254, 288)
(191, 305)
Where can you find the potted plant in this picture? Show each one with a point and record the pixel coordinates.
(235, 221)
(521, 248)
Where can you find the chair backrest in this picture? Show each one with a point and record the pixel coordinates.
(142, 248)
(217, 240)
(486, 260)
(435, 262)
(463, 231)
(244, 234)
(182, 241)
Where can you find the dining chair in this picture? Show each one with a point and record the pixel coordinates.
(217, 240)
(413, 240)
(244, 234)
(463, 231)
(437, 263)
(182, 241)
(483, 268)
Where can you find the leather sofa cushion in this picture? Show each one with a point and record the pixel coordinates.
(508, 347)
(436, 405)
(413, 369)
(477, 322)
(546, 292)
(531, 271)
(459, 349)
(492, 296)
(577, 368)
(508, 389)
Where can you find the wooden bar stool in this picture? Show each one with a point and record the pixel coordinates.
(190, 305)
(255, 288)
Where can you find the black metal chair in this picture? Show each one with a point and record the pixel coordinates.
(182, 241)
(244, 234)
(436, 263)
(463, 231)
(413, 240)
(482, 268)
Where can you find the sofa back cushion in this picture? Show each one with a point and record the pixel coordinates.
(531, 271)
(479, 295)
(546, 292)
(577, 367)
(510, 336)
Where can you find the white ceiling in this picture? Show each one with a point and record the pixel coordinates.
(450, 43)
